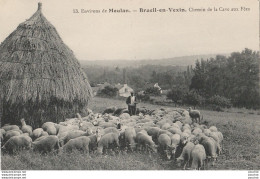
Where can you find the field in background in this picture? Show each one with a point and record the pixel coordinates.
(241, 151)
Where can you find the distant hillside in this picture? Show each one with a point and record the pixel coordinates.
(175, 61)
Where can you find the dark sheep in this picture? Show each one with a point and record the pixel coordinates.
(195, 115)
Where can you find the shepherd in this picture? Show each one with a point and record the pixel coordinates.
(131, 102)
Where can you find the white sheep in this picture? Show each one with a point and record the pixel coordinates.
(80, 143)
(198, 155)
(26, 128)
(130, 136)
(37, 133)
(8, 127)
(196, 131)
(50, 128)
(175, 130)
(2, 134)
(17, 143)
(164, 146)
(212, 148)
(108, 141)
(46, 144)
(185, 156)
(213, 129)
(10, 134)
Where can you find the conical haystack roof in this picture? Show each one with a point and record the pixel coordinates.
(40, 75)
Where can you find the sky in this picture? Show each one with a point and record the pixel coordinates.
(136, 35)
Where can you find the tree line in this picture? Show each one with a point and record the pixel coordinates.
(220, 82)
(223, 81)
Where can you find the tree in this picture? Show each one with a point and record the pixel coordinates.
(108, 91)
(177, 94)
(152, 91)
(193, 98)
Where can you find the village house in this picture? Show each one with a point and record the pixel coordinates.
(124, 90)
(157, 86)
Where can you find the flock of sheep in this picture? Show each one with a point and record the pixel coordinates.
(175, 134)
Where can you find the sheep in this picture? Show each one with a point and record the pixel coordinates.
(143, 132)
(213, 129)
(94, 139)
(18, 130)
(50, 128)
(164, 121)
(175, 130)
(10, 127)
(130, 136)
(188, 131)
(40, 138)
(184, 138)
(186, 126)
(79, 143)
(85, 125)
(26, 128)
(195, 115)
(119, 111)
(71, 135)
(166, 126)
(10, 134)
(108, 130)
(37, 133)
(110, 110)
(175, 125)
(44, 133)
(2, 134)
(198, 155)
(207, 132)
(149, 124)
(212, 148)
(179, 123)
(124, 114)
(153, 131)
(108, 141)
(175, 141)
(185, 156)
(193, 138)
(203, 126)
(145, 141)
(196, 131)
(2, 131)
(164, 146)
(138, 129)
(164, 132)
(106, 124)
(16, 143)
(218, 137)
(46, 144)
(63, 130)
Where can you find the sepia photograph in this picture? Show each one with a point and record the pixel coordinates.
(96, 85)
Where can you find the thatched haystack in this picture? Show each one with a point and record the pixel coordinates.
(40, 78)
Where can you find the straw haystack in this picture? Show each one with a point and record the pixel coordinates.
(40, 78)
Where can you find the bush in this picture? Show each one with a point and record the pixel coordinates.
(176, 95)
(143, 97)
(152, 91)
(193, 98)
(108, 91)
(219, 102)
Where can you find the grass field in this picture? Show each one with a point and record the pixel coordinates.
(241, 151)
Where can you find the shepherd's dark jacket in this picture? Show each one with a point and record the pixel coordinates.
(128, 100)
